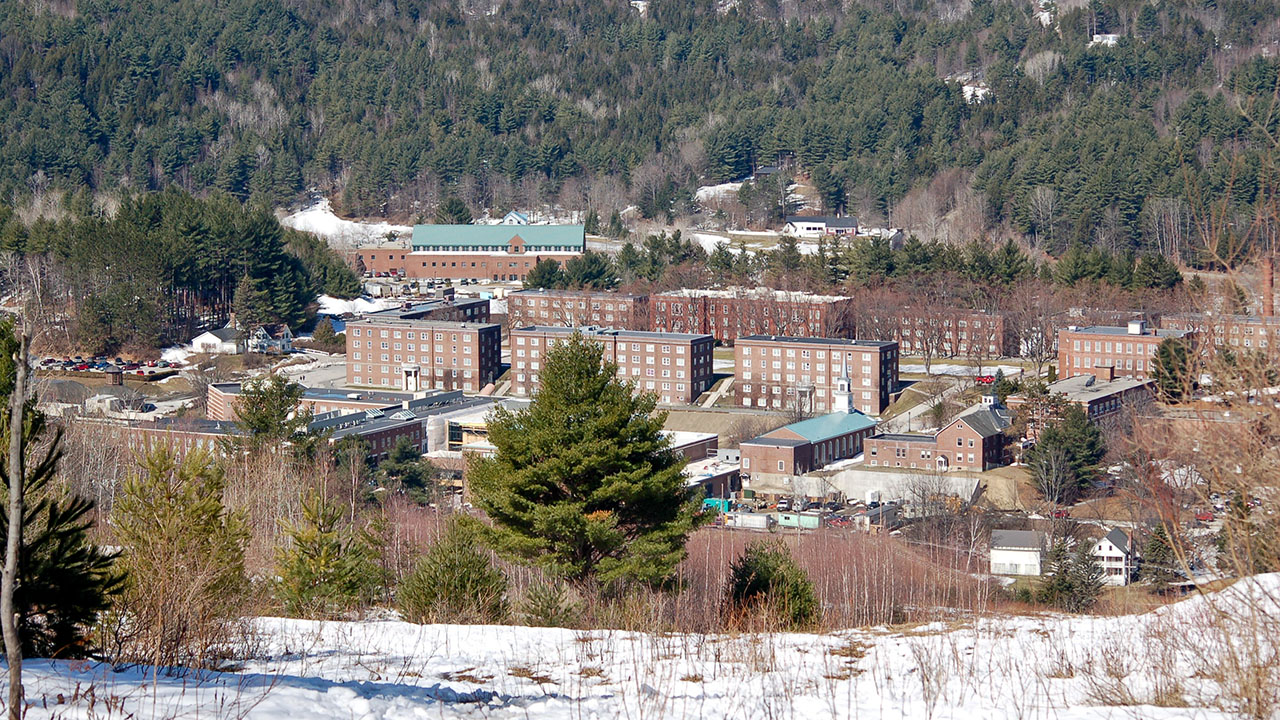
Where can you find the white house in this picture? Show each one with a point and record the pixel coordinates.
(515, 218)
(1117, 556)
(223, 341)
(1105, 40)
(816, 226)
(271, 339)
(1017, 552)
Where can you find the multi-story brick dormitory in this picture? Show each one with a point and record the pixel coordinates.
(802, 374)
(221, 399)
(577, 308)
(402, 350)
(675, 366)
(731, 314)
(973, 440)
(1238, 332)
(481, 252)
(1106, 400)
(939, 332)
(1125, 351)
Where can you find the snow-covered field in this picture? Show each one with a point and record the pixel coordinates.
(333, 306)
(1162, 665)
(320, 219)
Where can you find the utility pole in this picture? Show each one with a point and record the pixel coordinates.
(9, 580)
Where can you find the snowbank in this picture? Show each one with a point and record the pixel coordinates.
(1043, 666)
(320, 219)
(177, 353)
(723, 191)
(334, 306)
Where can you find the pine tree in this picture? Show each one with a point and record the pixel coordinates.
(328, 567)
(183, 557)
(1171, 370)
(325, 337)
(453, 211)
(268, 413)
(63, 581)
(546, 273)
(406, 471)
(454, 582)
(1159, 563)
(1056, 586)
(252, 303)
(1065, 457)
(582, 483)
(590, 270)
(766, 582)
(1086, 579)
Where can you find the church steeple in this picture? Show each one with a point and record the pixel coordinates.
(842, 398)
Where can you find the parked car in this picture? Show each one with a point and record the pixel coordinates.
(1061, 514)
(784, 505)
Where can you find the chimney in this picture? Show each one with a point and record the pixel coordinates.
(1268, 287)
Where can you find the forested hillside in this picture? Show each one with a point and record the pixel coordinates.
(392, 106)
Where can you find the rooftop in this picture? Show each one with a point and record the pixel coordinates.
(481, 236)
(1017, 540)
(1084, 388)
(830, 220)
(634, 334)
(1113, 330)
(415, 311)
(986, 420)
(754, 294)
(817, 341)
(905, 437)
(775, 442)
(575, 293)
(825, 427)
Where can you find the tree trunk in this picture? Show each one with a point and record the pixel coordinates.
(9, 581)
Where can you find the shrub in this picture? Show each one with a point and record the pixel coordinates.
(455, 581)
(550, 605)
(329, 567)
(765, 583)
(184, 562)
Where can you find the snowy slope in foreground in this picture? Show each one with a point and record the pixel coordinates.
(1010, 667)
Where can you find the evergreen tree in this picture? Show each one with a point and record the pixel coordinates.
(582, 483)
(407, 471)
(546, 273)
(1010, 264)
(453, 211)
(1159, 562)
(268, 412)
(766, 582)
(454, 582)
(1171, 370)
(1056, 585)
(183, 558)
(786, 257)
(252, 303)
(1065, 457)
(326, 338)
(591, 271)
(63, 580)
(1086, 577)
(328, 567)
(592, 223)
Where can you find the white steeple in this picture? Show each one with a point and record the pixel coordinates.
(842, 398)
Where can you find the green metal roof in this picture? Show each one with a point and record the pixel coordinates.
(466, 237)
(832, 425)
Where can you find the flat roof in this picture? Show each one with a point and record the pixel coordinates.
(817, 341)
(1089, 387)
(904, 437)
(576, 293)
(1113, 330)
(475, 236)
(618, 332)
(384, 397)
(753, 294)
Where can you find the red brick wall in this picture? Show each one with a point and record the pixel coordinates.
(455, 265)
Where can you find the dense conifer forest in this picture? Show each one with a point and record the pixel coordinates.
(392, 106)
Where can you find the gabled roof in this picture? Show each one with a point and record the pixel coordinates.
(225, 334)
(828, 220)
(475, 236)
(1118, 538)
(986, 420)
(276, 331)
(827, 426)
(1017, 540)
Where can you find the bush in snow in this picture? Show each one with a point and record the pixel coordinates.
(549, 605)
(766, 584)
(455, 582)
(329, 567)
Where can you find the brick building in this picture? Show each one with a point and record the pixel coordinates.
(222, 399)
(577, 308)
(1105, 399)
(403, 350)
(1239, 332)
(939, 332)
(731, 314)
(973, 440)
(802, 373)
(482, 252)
(675, 366)
(807, 445)
(1129, 350)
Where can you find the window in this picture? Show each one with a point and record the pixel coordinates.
(780, 466)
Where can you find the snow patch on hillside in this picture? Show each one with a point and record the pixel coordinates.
(320, 219)
(723, 191)
(334, 306)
